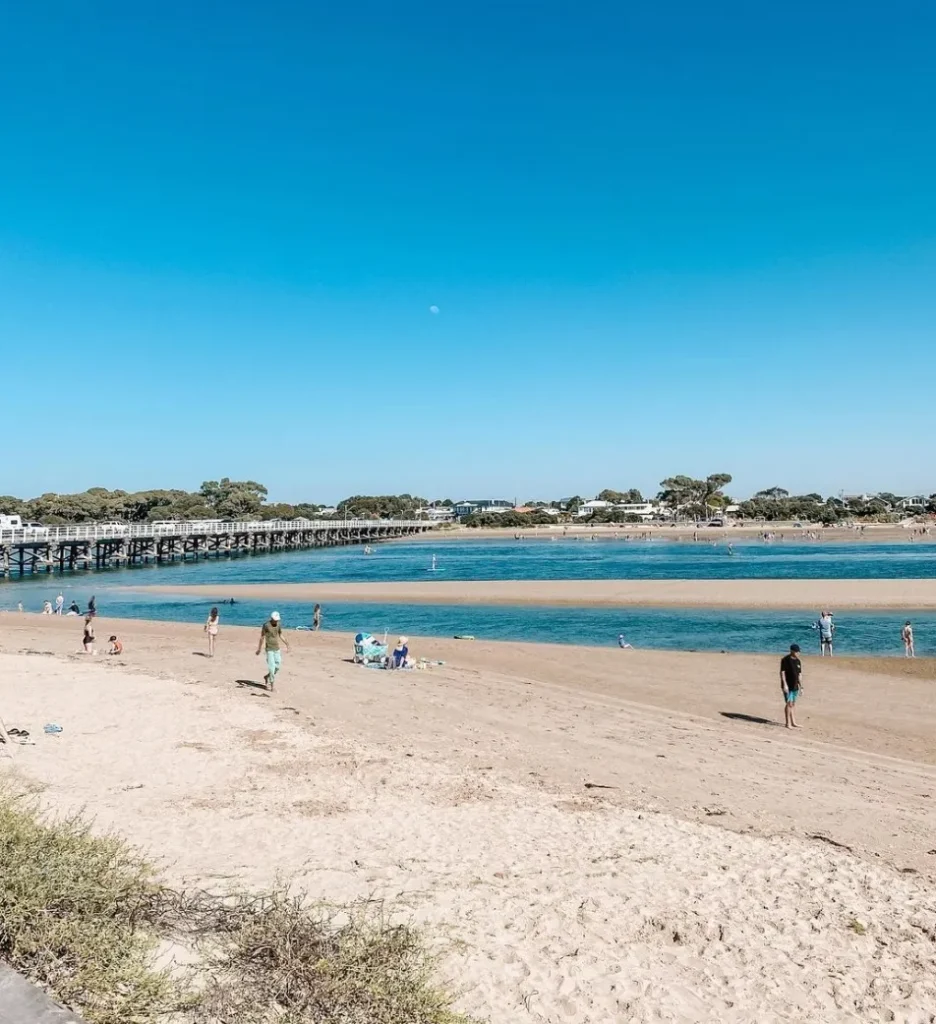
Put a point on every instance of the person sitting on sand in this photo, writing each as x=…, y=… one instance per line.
x=73, y=608
x=791, y=683
x=87, y=641
x=400, y=653
x=47, y=608
x=906, y=634
x=623, y=644
x=116, y=647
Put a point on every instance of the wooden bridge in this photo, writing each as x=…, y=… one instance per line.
x=46, y=549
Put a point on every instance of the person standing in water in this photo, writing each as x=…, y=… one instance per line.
x=906, y=634
x=211, y=628
x=271, y=636
x=791, y=683
x=826, y=628
x=317, y=618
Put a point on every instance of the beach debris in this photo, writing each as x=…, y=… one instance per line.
x=829, y=840
x=51, y=729
x=714, y=812
x=598, y=785
x=135, y=785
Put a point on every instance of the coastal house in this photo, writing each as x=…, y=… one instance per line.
x=643, y=509
x=436, y=513
x=915, y=503
x=476, y=505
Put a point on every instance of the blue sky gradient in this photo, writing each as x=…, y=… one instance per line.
x=662, y=238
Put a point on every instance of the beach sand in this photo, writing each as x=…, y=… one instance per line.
x=692, y=889
x=798, y=594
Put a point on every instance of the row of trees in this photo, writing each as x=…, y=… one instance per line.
x=215, y=499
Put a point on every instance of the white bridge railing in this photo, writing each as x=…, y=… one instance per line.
x=196, y=528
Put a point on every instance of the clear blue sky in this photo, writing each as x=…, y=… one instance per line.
x=675, y=237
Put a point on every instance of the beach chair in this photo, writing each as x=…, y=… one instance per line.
x=367, y=650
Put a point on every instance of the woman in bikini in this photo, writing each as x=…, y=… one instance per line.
x=211, y=628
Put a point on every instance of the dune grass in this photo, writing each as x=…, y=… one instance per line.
x=85, y=916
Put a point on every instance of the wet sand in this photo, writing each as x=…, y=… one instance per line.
x=762, y=594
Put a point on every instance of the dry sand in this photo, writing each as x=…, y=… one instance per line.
x=689, y=891
x=816, y=594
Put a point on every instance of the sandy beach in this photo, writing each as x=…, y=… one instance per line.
x=798, y=594
x=586, y=835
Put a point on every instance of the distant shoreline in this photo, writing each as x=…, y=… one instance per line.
x=783, y=533
x=872, y=595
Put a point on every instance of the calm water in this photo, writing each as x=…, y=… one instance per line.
x=686, y=629
x=545, y=560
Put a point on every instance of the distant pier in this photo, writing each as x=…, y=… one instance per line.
x=49, y=549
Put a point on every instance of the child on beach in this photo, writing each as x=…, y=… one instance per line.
x=116, y=647
x=211, y=628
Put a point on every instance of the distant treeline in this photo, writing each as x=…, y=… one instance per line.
x=684, y=497
x=215, y=499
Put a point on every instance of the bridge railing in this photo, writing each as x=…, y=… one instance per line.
x=196, y=528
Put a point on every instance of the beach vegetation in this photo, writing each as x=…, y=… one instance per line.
x=86, y=917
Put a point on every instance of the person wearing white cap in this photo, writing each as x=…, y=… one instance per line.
x=400, y=653
x=271, y=636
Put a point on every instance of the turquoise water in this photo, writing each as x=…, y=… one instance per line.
x=684, y=629
x=536, y=560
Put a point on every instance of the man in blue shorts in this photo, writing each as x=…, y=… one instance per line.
x=791, y=682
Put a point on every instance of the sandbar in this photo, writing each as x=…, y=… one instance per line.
x=758, y=594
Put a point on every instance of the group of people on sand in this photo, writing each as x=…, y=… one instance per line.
x=59, y=607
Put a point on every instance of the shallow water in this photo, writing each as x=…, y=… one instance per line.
x=683, y=629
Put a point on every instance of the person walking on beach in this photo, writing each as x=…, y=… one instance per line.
x=317, y=618
x=826, y=628
x=59, y=604
x=791, y=683
x=92, y=608
x=906, y=634
x=271, y=636
x=211, y=628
